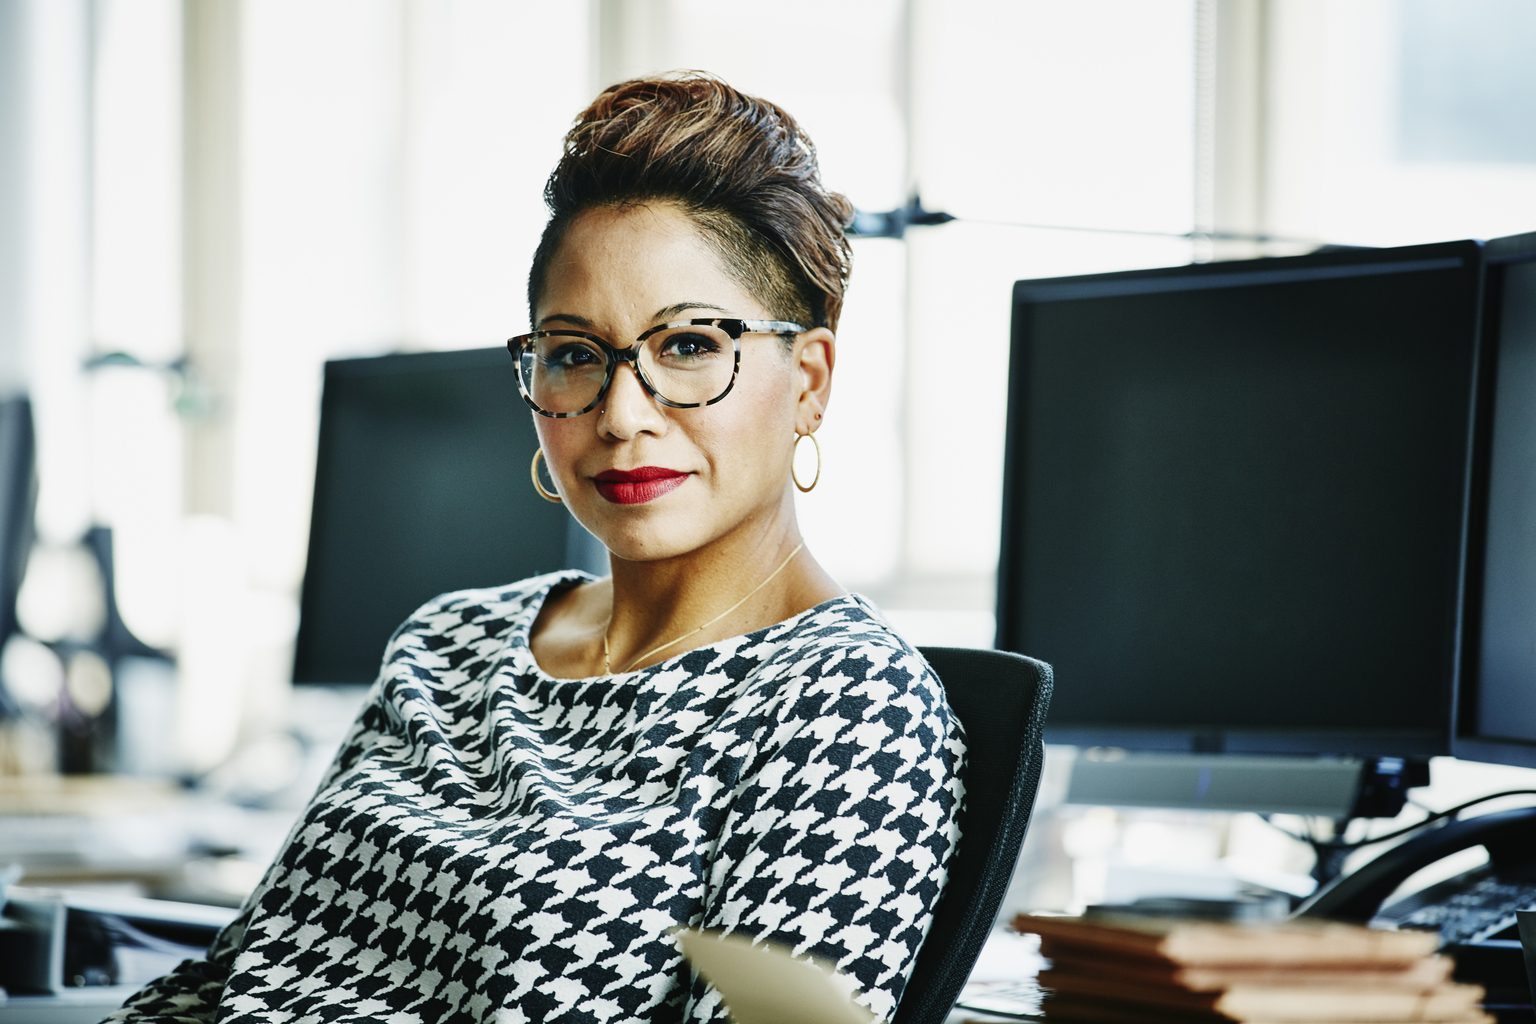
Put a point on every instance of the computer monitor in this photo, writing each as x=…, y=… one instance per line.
x=1496, y=701
x=1235, y=500
x=18, y=502
x=421, y=487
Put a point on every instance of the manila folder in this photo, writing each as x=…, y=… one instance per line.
x=762, y=984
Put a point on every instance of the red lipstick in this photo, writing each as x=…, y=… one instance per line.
x=638, y=486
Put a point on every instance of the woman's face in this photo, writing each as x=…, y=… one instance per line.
x=618, y=272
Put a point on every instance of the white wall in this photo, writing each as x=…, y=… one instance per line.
x=13, y=70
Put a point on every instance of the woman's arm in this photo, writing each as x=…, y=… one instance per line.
x=839, y=838
x=189, y=994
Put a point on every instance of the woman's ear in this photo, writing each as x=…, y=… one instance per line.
x=815, y=353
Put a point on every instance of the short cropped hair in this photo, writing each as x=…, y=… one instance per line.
x=739, y=167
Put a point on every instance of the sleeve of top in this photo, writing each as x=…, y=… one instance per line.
x=190, y=994
x=838, y=839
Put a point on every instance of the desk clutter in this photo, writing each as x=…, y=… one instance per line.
x=1123, y=970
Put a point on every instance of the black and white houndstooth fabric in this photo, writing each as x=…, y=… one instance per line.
x=497, y=845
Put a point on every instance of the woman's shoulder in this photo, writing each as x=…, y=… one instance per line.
x=848, y=622
x=843, y=687
x=848, y=639
x=487, y=606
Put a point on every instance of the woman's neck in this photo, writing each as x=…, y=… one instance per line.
x=740, y=583
x=756, y=577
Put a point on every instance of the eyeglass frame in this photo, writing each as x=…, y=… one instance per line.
x=631, y=355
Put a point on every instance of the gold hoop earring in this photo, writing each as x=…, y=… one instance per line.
x=538, y=485
x=805, y=488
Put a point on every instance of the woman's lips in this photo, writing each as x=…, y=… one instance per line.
x=637, y=486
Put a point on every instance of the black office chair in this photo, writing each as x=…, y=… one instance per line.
x=1001, y=699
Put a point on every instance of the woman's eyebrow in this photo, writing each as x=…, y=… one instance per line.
x=570, y=318
x=677, y=307
x=665, y=313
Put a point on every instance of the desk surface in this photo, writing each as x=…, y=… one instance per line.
x=80, y=1006
x=144, y=837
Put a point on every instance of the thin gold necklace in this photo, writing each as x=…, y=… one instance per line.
x=607, y=671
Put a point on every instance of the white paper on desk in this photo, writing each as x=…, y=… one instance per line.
x=763, y=984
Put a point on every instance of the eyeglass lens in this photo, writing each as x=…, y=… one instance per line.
x=688, y=365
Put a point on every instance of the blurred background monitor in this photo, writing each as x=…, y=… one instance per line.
x=18, y=501
x=421, y=487
x=1496, y=705
x=1234, y=509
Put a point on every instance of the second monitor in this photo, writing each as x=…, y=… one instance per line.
x=1235, y=500
x=421, y=487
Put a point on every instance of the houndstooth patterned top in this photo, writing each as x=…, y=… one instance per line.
x=494, y=844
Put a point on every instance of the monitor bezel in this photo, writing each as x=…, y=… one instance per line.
x=1462, y=255
x=1498, y=254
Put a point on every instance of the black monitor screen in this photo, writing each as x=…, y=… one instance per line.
x=421, y=487
x=1497, y=718
x=1234, y=513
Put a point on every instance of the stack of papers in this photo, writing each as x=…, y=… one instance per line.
x=1151, y=971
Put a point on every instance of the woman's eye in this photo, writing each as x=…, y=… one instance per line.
x=689, y=346
x=570, y=357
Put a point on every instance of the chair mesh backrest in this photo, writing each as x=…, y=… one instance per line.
x=1001, y=700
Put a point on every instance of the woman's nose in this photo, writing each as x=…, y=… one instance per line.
x=628, y=409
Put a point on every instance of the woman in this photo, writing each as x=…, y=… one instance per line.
x=550, y=776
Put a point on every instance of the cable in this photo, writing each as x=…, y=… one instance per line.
x=894, y=224
x=1189, y=236
x=1449, y=812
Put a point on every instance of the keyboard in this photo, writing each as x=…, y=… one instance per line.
x=1013, y=1000
x=1468, y=908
